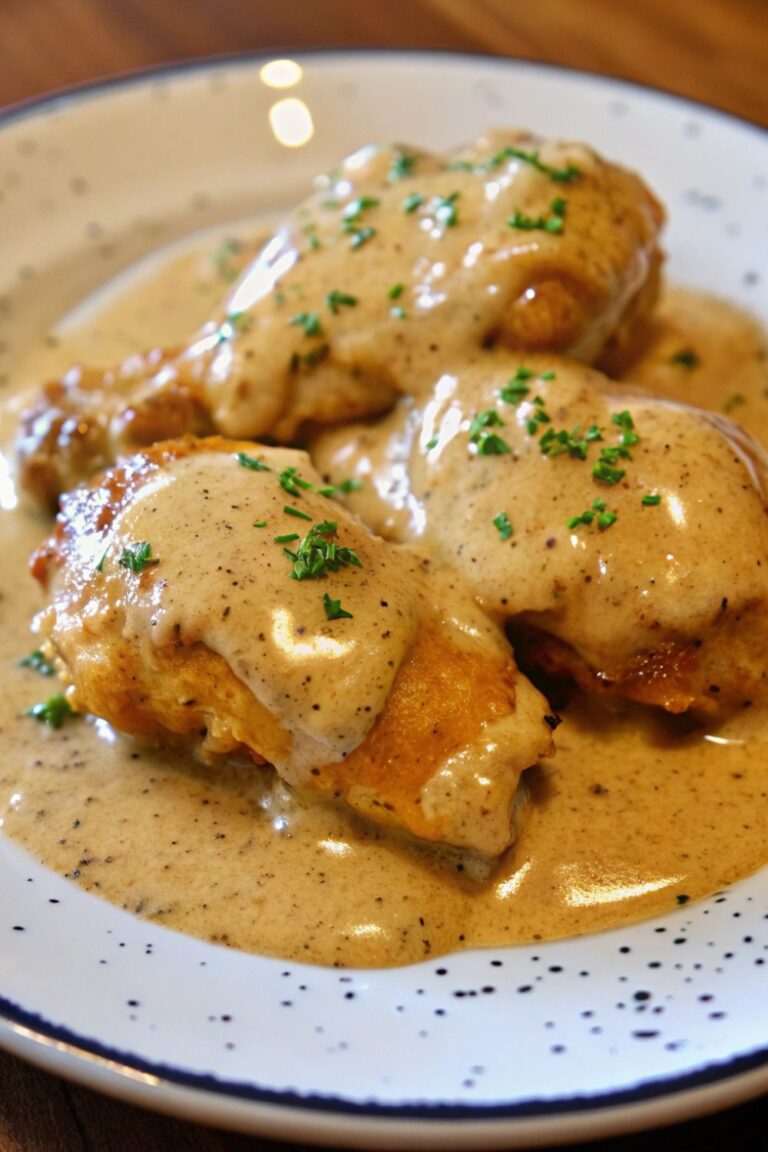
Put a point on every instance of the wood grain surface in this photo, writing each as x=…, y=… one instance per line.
x=714, y=50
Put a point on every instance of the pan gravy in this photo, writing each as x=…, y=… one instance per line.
x=636, y=815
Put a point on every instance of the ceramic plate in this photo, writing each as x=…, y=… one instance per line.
x=491, y=1048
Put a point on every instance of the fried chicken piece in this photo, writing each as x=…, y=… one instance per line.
x=622, y=537
x=212, y=594
x=397, y=259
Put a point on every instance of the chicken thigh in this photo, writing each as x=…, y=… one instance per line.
x=399, y=260
x=212, y=594
x=623, y=537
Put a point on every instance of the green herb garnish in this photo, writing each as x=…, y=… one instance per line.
x=402, y=166
x=558, y=175
x=336, y=300
x=319, y=554
x=334, y=610
x=604, y=470
x=446, y=212
x=290, y=511
x=412, y=202
x=352, y=484
x=604, y=518
x=501, y=522
x=53, y=711
x=292, y=483
x=38, y=663
x=487, y=443
x=553, y=223
x=252, y=462
x=396, y=291
x=309, y=321
x=651, y=499
x=361, y=236
x=136, y=557
x=686, y=358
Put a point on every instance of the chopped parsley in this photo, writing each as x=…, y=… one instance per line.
x=292, y=483
x=574, y=443
x=361, y=236
x=334, y=610
x=260, y=523
x=446, y=212
x=102, y=558
x=432, y=443
x=604, y=518
x=352, y=484
x=337, y=300
x=402, y=166
x=318, y=553
x=516, y=388
x=686, y=358
x=136, y=557
x=396, y=291
x=501, y=522
x=38, y=662
x=351, y=220
x=604, y=470
x=558, y=175
x=412, y=202
x=487, y=443
x=553, y=223
x=628, y=435
x=651, y=499
x=538, y=416
x=309, y=359
x=252, y=462
x=309, y=321
x=54, y=711
x=354, y=210
x=291, y=511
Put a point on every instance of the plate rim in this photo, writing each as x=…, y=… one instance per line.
x=69, y=94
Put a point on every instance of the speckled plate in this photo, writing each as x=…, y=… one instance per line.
x=525, y=1045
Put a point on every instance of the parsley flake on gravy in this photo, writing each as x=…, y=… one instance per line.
x=136, y=557
x=334, y=610
x=53, y=711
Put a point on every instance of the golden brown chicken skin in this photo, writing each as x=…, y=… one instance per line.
x=399, y=260
x=623, y=537
x=212, y=594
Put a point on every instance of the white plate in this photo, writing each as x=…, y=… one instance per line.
x=592, y=1036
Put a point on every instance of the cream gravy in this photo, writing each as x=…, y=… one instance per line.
x=634, y=816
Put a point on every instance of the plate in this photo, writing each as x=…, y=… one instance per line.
x=591, y=1036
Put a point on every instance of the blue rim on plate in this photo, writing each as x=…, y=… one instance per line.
x=528, y=1116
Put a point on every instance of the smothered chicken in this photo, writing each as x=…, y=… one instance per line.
x=399, y=261
x=213, y=592
x=624, y=537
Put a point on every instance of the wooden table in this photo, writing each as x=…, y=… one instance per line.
x=715, y=51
